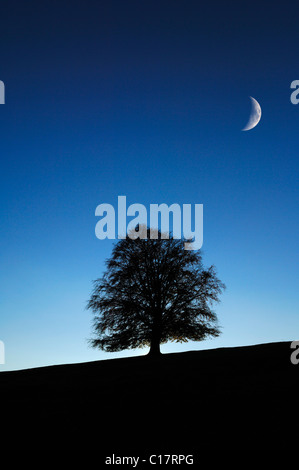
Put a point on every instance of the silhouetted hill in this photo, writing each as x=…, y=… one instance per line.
x=243, y=397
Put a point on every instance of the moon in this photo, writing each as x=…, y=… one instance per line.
x=255, y=115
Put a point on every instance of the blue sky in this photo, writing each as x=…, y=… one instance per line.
x=145, y=100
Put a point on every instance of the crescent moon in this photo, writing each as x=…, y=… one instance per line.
x=255, y=115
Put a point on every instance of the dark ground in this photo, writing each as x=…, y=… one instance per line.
x=228, y=398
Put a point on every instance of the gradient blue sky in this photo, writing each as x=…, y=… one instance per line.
x=147, y=100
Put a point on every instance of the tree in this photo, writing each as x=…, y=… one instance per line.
x=153, y=291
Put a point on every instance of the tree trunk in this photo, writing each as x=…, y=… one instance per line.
x=155, y=348
x=156, y=338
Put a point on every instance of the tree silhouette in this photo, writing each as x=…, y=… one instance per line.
x=153, y=291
